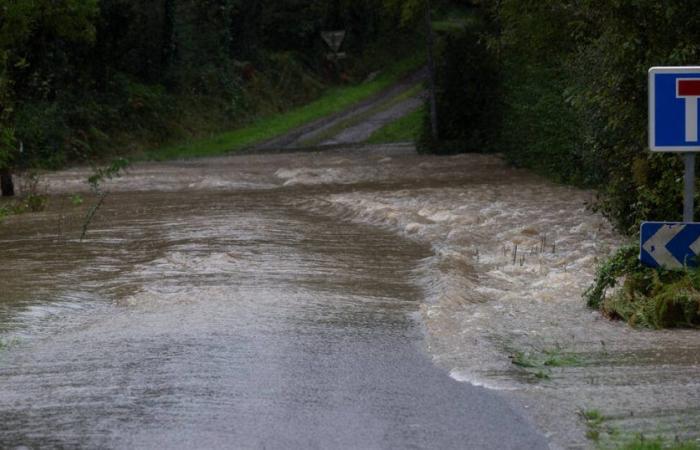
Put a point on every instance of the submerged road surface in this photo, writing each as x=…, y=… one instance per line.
x=226, y=316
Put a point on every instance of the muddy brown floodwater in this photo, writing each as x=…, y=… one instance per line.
x=286, y=270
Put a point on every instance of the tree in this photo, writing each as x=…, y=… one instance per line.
x=35, y=39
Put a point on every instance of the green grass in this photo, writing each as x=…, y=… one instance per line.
x=333, y=101
x=607, y=436
x=404, y=129
x=539, y=363
x=659, y=444
x=596, y=424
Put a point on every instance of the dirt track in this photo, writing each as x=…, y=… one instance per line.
x=357, y=132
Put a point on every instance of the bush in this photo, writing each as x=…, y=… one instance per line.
x=641, y=296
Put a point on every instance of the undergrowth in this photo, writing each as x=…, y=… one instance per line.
x=31, y=199
x=653, y=298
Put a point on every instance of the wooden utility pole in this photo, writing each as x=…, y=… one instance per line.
x=431, y=70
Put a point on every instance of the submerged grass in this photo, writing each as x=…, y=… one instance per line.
x=606, y=436
x=333, y=101
x=594, y=422
x=640, y=443
x=539, y=363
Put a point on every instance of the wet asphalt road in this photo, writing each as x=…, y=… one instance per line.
x=230, y=320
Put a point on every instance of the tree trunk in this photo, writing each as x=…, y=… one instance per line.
x=431, y=70
x=6, y=185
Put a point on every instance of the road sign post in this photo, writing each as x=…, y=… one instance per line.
x=689, y=189
x=674, y=100
x=334, y=40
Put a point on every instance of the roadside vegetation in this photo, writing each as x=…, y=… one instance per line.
x=405, y=129
x=641, y=443
x=83, y=81
x=331, y=101
x=626, y=290
x=559, y=87
x=602, y=431
x=89, y=82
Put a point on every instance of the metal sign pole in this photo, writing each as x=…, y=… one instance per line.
x=689, y=191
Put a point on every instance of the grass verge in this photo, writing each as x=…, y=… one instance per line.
x=407, y=128
x=659, y=444
x=333, y=101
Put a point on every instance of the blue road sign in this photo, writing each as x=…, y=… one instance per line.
x=674, y=93
x=670, y=245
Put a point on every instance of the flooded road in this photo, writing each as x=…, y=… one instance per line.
x=354, y=298
x=225, y=318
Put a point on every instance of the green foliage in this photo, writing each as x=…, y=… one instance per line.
x=625, y=260
x=77, y=200
x=641, y=443
x=595, y=422
x=99, y=176
x=653, y=298
x=84, y=79
x=102, y=174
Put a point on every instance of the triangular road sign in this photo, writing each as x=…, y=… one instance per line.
x=334, y=39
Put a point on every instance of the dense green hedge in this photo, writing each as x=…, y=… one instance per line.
x=81, y=78
x=572, y=78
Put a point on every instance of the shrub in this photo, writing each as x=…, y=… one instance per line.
x=655, y=298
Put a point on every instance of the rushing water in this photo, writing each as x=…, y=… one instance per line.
x=228, y=301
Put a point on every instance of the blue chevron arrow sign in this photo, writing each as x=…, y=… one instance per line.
x=670, y=245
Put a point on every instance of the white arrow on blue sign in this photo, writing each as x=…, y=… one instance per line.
x=670, y=245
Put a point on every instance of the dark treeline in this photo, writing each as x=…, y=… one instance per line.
x=79, y=78
x=563, y=84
